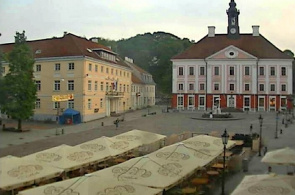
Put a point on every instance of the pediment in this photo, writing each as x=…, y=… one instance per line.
x=231, y=52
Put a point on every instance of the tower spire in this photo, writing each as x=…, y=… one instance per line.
x=233, y=29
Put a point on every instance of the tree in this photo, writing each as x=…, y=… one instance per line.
x=19, y=87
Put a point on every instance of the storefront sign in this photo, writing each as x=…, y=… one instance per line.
x=60, y=98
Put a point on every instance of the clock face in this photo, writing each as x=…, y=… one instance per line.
x=232, y=30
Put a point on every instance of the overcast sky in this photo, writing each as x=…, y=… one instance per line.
x=117, y=19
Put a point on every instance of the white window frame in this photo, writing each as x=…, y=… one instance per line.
x=245, y=86
x=272, y=71
x=56, y=85
x=180, y=106
x=38, y=68
x=57, y=67
x=180, y=73
x=38, y=103
x=89, y=67
x=71, y=104
x=38, y=85
x=56, y=105
x=201, y=107
x=231, y=69
x=202, y=71
x=89, y=104
x=189, y=86
x=216, y=71
x=232, y=84
x=270, y=87
x=283, y=107
x=261, y=108
x=89, y=85
x=71, y=85
x=214, y=86
x=191, y=107
x=261, y=84
x=273, y=107
x=180, y=86
x=71, y=66
x=247, y=67
x=228, y=100
x=193, y=70
x=283, y=73
x=245, y=108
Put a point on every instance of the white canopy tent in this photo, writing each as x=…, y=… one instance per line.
x=285, y=156
x=18, y=172
x=146, y=172
x=64, y=157
x=266, y=185
x=91, y=185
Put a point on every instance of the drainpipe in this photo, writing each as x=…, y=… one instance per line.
x=256, y=108
x=206, y=83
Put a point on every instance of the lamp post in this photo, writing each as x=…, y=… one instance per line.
x=260, y=135
x=277, y=121
x=224, y=137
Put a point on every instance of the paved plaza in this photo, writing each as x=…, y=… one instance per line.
x=44, y=136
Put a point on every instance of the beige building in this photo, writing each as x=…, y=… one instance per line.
x=143, y=87
x=90, y=77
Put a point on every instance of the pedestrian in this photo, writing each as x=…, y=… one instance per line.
x=269, y=169
x=265, y=150
x=251, y=127
x=117, y=123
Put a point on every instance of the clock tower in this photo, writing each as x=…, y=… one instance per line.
x=233, y=29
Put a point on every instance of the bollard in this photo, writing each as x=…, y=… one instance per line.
x=102, y=124
x=56, y=132
x=281, y=131
x=62, y=131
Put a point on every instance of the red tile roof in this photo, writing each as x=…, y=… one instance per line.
x=136, y=80
x=257, y=46
x=66, y=46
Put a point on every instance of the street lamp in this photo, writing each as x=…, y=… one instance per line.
x=224, y=137
x=277, y=120
x=260, y=135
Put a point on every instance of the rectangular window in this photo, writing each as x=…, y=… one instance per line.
x=101, y=86
x=117, y=72
x=71, y=66
x=272, y=71
x=124, y=88
x=247, y=87
x=283, y=70
x=96, y=68
x=89, y=67
x=71, y=104
x=57, y=67
x=38, y=85
x=180, y=71
x=89, y=85
x=180, y=100
x=247, y=70
x=38, y=67
x=101, y=69
x=107, y=86
x=231, y=87
x=101, y=103
x=56, y=85
x=283, y=87
x=272, y=87
x=112, y=71
x=231, y=70
x=191, y=71
x=261, y=87
x=56, y=105
x=124, y=73
x=127, y=88
x=202, y=70
x=38, y=104
x=261, y=71
x=95, y=85
x=216, y=70
x=71, y=85
x=120, y=73
x=202, y=86
x=107, y=70
x=180, y=86
x=202, y=101
x=89, y=104
x=191, y=86
x=216, y=86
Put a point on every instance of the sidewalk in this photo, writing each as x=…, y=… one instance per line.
x=256, y=167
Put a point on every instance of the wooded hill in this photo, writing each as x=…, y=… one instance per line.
x=152, y=52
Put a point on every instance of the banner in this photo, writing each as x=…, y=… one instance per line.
x=60, y=98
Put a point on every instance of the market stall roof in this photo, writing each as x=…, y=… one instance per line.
x=266, y=184
x=212, y=145
x=91, y=185
x=285, y=156
x=143, y=137
x=70, y=112
x=18, y=172
x=188, y=158
x=146, y=172
x=64, y=157
x=108, y=146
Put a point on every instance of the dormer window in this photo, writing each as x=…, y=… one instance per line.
x=38, y=51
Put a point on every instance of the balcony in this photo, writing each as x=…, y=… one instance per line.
x=113, y=94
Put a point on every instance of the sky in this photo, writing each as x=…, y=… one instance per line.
x=117, y=19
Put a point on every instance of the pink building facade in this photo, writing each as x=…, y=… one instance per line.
x=243, y=71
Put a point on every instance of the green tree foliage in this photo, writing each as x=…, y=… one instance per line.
x=19, y=87
x=290, y=53
x=152, y=52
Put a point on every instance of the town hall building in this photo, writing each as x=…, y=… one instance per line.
x=237, y=70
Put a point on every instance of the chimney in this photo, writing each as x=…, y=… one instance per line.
x=65, y=33
x=211, y=31
x=255, y=30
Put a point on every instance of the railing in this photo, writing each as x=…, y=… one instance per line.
x=114, y=94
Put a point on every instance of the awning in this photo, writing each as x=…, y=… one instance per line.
x=285, y=156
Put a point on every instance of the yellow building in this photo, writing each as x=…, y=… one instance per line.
x=90, y=77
